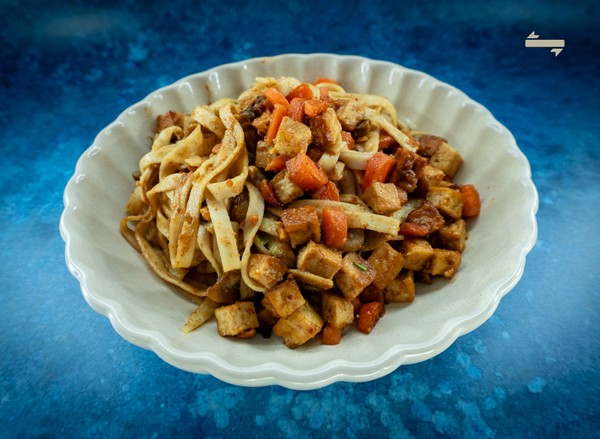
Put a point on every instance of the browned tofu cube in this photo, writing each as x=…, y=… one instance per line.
x=371, y=294
x=432, y=177
x=454, y=236
x=284, y=298
x=319, y=259
x=354, y=276
x=417, y=253
x=383, y=198
x=349, y=112
x=446, y=200
x=302, y=224
x=236, y=318
x=266, y=270
x=285, y=189
x=325, y=128
x=299, y=327
x=443, y=263
x=387, y=263
x=402, y=288
x=263, y=154
x=292, y=137
x=447, y=159
x=337, y=310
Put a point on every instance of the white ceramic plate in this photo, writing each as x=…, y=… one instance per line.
x=116, y=282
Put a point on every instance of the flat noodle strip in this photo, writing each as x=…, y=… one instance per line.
x=226, y=239
x=204, y=241
x=252, y=222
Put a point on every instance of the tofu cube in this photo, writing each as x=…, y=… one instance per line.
x=266, y=270
x=284, y=298
x=285, y=189
x=319, y=259
x=383, y=198
x=387, y=263
x=443, y=263
x=454, y=236
x=263, y=155
x=432, y=177
x=350, y=113
x=299, y=327
x=325, y=128
x=236, y=318
x=447, y=201
x=354, y=276
x=337, y=310
x=301, y=224
x=417, y=253
x=402, y=288
x=447, y=159
x=292, y=137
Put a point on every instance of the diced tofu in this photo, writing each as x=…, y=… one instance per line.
x=266, y=270
x=446, y=200
x=454, y=235
x=236, y=318
x=443, y=263
x=402, y=288
x=387, y=263
x=349, y=112
x=299, y=327
x=337, y=310
x=337, y=172
x=417, y=253
x=284, y=298
x=447, y=159
x=383, y=198
x=292, y=137
x=325, y=128
x=354, y=276
x=285, y=189
x=310, y=280
x=319, y=259
x=263, y=154
x=432, y=177
x=301, y=224
x=371, y=294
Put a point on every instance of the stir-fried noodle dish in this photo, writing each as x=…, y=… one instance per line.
x=298, y=209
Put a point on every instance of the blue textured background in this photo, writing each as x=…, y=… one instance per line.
x=68, y=71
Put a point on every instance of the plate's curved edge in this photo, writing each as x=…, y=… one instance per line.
x=311, y=380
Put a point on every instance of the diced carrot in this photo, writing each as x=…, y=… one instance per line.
x=276, y=117
x=413, y=230
x=321, y=80
x=305, y=173
x=296, y=109
x=331, y=335
x=378, y=168
x=385, y=140
x=328, y=191
x=269, y=194
x=314, y=107
x=302, y=91
x=275, y=97
x=324, y=94
x=335, y=227
x=277, y=164
x=347, y=137
x=471, y=201
x=368, y=316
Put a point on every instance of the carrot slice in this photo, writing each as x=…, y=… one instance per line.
x=335, y=227
x=302, y=91
x=305, y=173
x=347, y=137
x=275, y=97
x=385, y=140
x=329, y=191
x=324, y=92
x=323, y=80
x=269, y=194
x=276, y=117
x=378, y=168
x=471, y=201
x=296, y=109
x=413, y=230
x=314, y=107
x=368, y=316
x=277, y=164
x=331, y=335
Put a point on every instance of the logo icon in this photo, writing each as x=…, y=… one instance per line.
x=534, y=41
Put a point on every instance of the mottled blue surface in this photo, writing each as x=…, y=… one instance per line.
x=69, y=70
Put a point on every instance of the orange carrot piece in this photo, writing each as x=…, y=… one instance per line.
x=347, y=137
x=331, y=335
x=275, y=97
x=368, y=316
x=296, y=109
x=378, y=168
x=277, y=164
x=276, y=117
x=305, y=173
x=413, y=230
x=314, y=107
x=328, y=191
x=324, y=92
x=335, y=227
x=322, y=80
x=471, y=201
x=269, y=194
x=385, y=140
x=302, y=91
